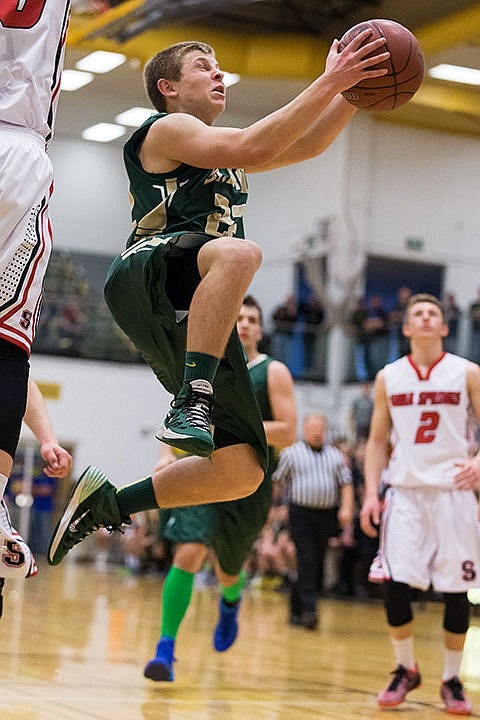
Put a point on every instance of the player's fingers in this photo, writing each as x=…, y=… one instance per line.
x=366, y=525
x=52, y=472
x=51, y=458
x=376, y=60
x=370, y=531
x=360, y=38
x=372, y=46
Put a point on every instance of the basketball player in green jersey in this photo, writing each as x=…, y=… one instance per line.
x=230, y=528
x=177, y=289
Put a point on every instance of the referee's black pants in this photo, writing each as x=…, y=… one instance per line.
x=310, y=529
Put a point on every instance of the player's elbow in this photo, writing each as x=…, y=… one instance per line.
x=290, y=436
x=256, y=153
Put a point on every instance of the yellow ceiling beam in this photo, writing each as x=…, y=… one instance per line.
x=440, y=108
x=456, y=29
x=81, y=26
x=447, y=98
x=284, y=56
x=433, y=119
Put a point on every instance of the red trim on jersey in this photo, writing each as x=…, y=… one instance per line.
x=57, y=73
x=31, y=274
x=14, y=335
x=429, y=370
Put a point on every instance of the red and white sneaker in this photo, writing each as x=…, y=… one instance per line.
x=16, y=558
x=403, y=681
x=453, y=695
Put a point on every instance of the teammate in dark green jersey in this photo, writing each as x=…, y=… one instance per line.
x=178, y=287
x=229, y=528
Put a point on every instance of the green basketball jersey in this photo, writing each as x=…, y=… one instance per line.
x=187, y=199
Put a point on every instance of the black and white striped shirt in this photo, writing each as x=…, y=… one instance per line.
x=312, y=478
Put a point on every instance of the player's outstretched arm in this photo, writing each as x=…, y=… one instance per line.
x=375, y=458
x=467, y=476
x=181, y=137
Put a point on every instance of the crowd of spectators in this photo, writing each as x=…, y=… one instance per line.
x=76, y=322
x=299, y=333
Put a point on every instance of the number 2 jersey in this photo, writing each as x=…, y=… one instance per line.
x=32, y=45
x=429, y=415
x=187, y=199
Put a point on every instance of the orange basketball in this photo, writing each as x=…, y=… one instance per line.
x=405, y=67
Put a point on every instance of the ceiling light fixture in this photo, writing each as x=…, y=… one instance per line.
x=100, y=61
x=103, y=132
x=134, y=116
x=455, y=73
x=231, y=79
x=74, y=79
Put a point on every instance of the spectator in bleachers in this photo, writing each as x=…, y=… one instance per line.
x=273, y=563
x=312, y=313
x=71, y=323
x=358, y=549
x=361, y=413
x=375, y=330
x=357, y=320
x=284, y=318
x=452, y=317
x=398, y=342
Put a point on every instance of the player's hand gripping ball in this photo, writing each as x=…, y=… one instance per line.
x=405, y=66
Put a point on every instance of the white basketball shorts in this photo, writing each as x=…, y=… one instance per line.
x=26, y=184
x=431, y=536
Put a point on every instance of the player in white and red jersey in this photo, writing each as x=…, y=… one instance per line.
x=32, y=43
x=430, y=532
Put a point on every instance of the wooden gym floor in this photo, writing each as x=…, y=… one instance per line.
x=74, y=641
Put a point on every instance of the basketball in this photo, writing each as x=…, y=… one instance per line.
x=405, y=67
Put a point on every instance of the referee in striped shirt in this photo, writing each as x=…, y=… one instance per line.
x=316, y=481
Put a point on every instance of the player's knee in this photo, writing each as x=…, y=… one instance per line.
x=14, y=369
x=190, y=557
x=250, y=485
x=457, y=613
x=397, y=598
x=249, y=480
x=253, y=253
x=243, y=255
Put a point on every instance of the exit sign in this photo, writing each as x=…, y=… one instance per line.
x=414, y=243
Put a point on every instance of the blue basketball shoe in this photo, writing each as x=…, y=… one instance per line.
x=161, y=666
x=226, y=630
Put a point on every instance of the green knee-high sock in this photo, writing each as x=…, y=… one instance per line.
x=177, y=591
x=200, y=366
x=232, y=594
x=137, y=497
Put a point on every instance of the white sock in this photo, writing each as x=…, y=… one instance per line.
x=3, y=484
x=403, y=651
x=452, y=662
